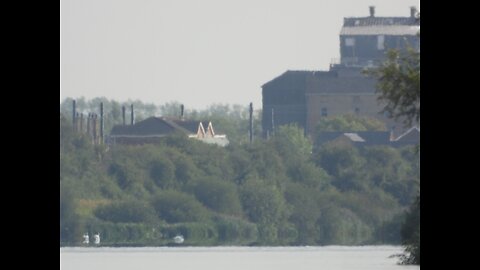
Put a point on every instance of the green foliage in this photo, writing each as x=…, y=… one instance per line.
x=399, y=85
x=292, y=144
x=235, y=231
x=349, y=122
x=112, y=109
x=162, y=172
x=185, y=170
x=389, y=171
x=264, y=205
x=411, y=234
x=126, y=212
x=127, y=234
x=195, y=233
x=271, y=192
x=305, y=212
x=71, y=225
x=174, y=206
x=309, y=175
x=389, y=231
x=241, y=163
x=261, y=202
x=220, y=196
x=266, y=164
x=341, y=226
x=345, y=164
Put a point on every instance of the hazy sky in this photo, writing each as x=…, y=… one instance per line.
x=199, y=52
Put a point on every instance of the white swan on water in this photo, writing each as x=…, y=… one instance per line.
x=97, y=238
x=178, y=239
x=85, y=238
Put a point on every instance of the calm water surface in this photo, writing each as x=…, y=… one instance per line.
x=232, y=258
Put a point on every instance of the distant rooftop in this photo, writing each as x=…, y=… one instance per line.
x=394, y=30
x=156, y=127
x=345, y=80
x=372, y=25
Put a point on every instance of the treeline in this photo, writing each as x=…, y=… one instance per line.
x=280, y=191
x=228, y=119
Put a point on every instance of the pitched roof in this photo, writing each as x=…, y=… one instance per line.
x=411, y=135
x=375, y=137
x=354, y=137
x=361, y=137
x=149, y=126
x=190, y=125
x=291, y=76
x=156, y=126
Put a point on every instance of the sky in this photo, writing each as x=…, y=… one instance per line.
x=199, y=52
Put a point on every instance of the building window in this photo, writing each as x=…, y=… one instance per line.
x=350, y=42
x=324, y=112
x=381, y=42
x=357, y=110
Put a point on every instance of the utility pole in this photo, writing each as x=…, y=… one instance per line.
x=250, y=129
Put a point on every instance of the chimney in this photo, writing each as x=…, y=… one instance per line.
x=182, y=108
x=76, y=121
x=413, y=12
x=94, y=128
x=250, y=129
x=88, y=123
x=132, y=122
x=101, y=122
x=372, y=11
x=123, y=114
x=81, y=122
x=74, y=114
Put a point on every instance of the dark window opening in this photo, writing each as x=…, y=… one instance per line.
x=324, y=112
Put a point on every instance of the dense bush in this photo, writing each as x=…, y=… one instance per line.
x=235, y=231
x=220, y=196
x=174, y=206
x=271, y=192
x=126, y=211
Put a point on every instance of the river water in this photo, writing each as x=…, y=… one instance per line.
x=233, y=258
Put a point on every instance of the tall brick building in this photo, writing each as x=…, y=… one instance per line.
x=304, y=97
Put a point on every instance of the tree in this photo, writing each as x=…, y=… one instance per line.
x=163, y=172
x=220, y=196
x=174, y=206
x=126, y=211
x=264, y=205
x=387, y=169
x=399, y=86
x=411, y=234
x=345, y=164
x=290, y=141
x=349, y=122
x=305, y=212
x=71, y=225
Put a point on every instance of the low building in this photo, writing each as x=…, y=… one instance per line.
x=370, y=138
x=152, y=129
